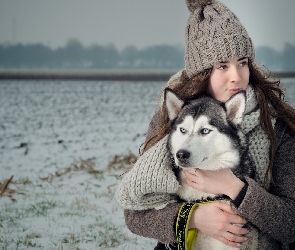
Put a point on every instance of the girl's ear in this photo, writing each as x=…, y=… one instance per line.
x=235, y=107
x=173, y=103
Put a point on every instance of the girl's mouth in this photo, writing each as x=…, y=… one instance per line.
x=234, y=90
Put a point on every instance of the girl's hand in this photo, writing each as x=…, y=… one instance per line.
x=221, y=181
x=218, y=220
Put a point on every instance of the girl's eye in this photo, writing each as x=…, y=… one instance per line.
x=244, y=63
x=205, y=131
x=221, y=67
x=182, y=130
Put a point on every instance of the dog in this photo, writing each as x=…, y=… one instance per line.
x=204, y=134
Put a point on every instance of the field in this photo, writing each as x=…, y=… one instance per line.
x=72, y=209
x=66, y=143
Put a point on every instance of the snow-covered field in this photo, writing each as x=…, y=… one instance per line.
x=46, y=130
x=56, y=140
x=49, y=124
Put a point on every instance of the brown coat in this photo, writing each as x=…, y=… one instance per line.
x=273, y=212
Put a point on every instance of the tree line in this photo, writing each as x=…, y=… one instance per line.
x=75, y=56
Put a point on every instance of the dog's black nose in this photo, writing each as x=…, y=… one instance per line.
x=182, y=155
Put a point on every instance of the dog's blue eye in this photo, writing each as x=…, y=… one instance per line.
x=182, y=130
x=205, y=131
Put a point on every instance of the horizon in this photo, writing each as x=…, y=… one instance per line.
x=158, y=57
x=120, y=49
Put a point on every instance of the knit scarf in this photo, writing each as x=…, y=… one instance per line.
x=151, y=183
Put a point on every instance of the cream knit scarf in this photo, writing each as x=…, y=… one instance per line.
x=151, y=183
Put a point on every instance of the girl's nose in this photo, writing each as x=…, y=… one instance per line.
x=235, y=74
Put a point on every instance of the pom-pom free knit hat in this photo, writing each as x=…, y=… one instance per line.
x=213, y=34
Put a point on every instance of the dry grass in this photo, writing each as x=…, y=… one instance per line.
x=119, y=162
x=10, y=187
x=6, y=188
x=74, y=167
x=122, y=162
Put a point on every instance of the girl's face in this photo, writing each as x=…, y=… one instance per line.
x=229, y=77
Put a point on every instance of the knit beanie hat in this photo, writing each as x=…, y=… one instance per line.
x=213, y=34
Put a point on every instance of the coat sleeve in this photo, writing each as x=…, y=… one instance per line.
x=273, y=211
x=152, y=223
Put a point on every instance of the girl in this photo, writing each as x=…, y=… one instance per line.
x=219, y=62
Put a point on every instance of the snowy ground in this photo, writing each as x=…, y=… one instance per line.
x=75, y=210
x=56, y=140
x=48, y=128
x=47, y=125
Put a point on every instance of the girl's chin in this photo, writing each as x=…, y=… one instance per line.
x=224, y=98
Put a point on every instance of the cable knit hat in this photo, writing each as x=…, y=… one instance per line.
x=213, y=34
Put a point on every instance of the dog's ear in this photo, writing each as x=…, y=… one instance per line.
x=173, y=103
x=235, y=107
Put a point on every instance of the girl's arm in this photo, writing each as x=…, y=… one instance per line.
x=216, y=219
x=274, y=212
x=152, y=223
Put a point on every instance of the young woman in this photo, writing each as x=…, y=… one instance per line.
x=220, y=62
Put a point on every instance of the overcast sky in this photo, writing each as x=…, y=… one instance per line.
x=133, y=22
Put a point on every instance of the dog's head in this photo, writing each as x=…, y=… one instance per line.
x=204, y=132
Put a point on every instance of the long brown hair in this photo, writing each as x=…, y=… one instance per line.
x=267, y=89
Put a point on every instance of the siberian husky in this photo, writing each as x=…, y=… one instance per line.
x=204, y=134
